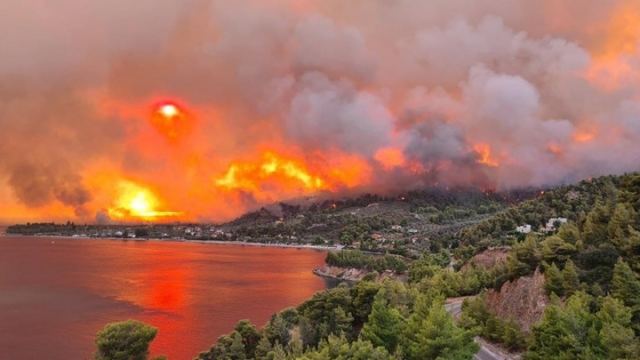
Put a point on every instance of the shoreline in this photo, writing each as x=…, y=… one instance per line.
x=212, y=242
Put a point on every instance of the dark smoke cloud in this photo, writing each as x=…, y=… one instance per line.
x=432, y=78
x=49, y=134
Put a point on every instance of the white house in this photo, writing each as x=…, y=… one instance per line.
x=551, y=224
x=524, y=229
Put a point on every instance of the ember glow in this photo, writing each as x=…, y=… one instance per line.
x=251, y=176
x=484, y=155
x=213, y=108
x=135, y=202
x=583, y=136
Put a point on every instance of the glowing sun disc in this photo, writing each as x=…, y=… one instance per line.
x=168, y=110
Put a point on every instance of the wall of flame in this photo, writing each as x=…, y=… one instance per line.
x=201, y=110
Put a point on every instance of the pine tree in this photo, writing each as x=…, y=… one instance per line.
x=295, y=347
x=277, y=353
x=435, y=336
x=569, y=232
x=566, y=332
x=555, y=249
x=528, y=251
x=277, y=330
x=340, y=322
x=124, y=340
x=335, y=347
x=617, y=337
x=554, y=283
x=236, y=350
x=385, y=323
x=570, y=281
x=625, y=285
x=629, y=244
x=263, y=349
x=250, y=336
x=595, y=228
x=623, y=216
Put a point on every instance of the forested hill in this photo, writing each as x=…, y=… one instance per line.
x=573, y=202
x=577, y=284
x=403, y=224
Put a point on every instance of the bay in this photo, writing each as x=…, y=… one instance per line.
x=56, y=293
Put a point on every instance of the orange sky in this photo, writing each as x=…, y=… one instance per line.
x=215, y=108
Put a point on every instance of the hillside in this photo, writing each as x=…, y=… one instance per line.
x=565, y=290
x=405, y=224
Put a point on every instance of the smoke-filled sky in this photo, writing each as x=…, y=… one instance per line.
x=201, y=109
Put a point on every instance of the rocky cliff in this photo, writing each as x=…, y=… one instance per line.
x=522, y=300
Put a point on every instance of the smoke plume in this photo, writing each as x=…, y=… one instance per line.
x=280, y=99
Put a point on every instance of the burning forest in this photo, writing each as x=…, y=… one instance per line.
x=201, y=110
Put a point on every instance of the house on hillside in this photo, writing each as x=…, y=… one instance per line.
x=554, y=223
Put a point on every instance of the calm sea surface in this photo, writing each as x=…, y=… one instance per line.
x=55, y=294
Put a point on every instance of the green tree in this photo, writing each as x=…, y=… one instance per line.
x=338, y=348
x=528, y=252
x=570, y=280
x=263, y=348
x=385, y=324
x=625, y=286
x=629, y=244
x=569, y=232
x=618, y=339
x=250, y=336
x=553, y=280
x=326, y=313
x=296, y=348
x=512, y=337
x=566, y=333
x=237, y=350
x=126, y=340
x=622, y=218
x=555, y=249
x=277, y=330
x=278, y=353
x=363, y=294
x=595, y=228
x=340, y=322
x=432, y=334
x=524, y=257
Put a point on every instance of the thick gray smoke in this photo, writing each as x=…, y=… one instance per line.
x=550, y=88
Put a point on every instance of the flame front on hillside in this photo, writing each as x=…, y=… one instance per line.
x=225, y=106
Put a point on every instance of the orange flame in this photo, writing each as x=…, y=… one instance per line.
x=249, y=176
x=555, y=149
x=390, y=157
x=611, y=66
x=137, y=202
x=484, y=155
x=275, y=175
x=583, y=136
x=623, y=32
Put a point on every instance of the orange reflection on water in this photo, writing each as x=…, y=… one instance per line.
x=193, y=293
x=167, y=290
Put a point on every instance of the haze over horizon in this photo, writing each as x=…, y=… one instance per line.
x=199, y=110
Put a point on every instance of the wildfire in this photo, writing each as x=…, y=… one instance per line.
x=623, y=32
x=484, y=155
x=583, y=136
x=613, y=62
x=250, y=176
x=135, y=201
x=555, y=149
x=390, y=157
